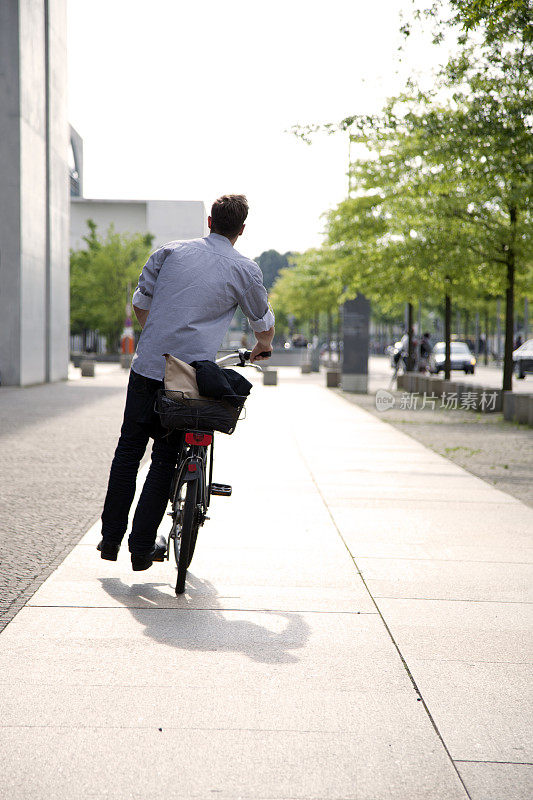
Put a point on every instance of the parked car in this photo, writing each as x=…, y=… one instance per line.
x=299, y=340
x=461, y=357
x=523, y=359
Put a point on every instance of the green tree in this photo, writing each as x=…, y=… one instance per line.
x=445, y=196
x=308, y=288
x=499, y=19
x=271, y=262
x=100, y=275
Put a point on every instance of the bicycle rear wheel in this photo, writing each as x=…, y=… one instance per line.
x=185, y=538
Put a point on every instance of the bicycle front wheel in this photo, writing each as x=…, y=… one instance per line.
x=185, y=539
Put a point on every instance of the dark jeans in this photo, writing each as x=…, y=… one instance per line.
x=140, y=423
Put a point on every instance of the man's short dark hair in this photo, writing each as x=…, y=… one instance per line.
x=228, y=214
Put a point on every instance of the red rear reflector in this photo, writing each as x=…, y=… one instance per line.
x=191, y=467
x=198, y=438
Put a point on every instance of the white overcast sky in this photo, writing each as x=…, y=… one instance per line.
x=190, y=99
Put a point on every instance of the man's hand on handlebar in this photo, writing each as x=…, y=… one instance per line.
x=260, y=353
x=263, y=348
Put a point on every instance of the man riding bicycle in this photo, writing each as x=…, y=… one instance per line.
x=185, y=300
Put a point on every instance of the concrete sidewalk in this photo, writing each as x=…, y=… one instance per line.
x=354, y=628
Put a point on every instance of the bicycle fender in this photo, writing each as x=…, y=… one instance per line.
x=193, y=474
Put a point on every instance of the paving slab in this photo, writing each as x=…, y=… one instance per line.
x=445, y=531
x=121, y=590
x=497, y=781
x=482, y=710
x=459, y=580
x=473, y=668
x=130, y=646
x=264, y=765
x=275, y=676
x=461, y=631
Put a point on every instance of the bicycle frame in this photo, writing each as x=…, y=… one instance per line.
x=192, y=467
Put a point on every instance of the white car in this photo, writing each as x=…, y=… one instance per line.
x=461, y=357
x=523, y=359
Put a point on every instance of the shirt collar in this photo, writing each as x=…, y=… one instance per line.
x=220, y=241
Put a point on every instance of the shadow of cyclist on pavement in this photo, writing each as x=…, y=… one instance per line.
x=215, y=625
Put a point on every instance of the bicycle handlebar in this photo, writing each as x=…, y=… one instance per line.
x=244, y=356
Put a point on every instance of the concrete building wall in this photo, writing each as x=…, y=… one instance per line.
x=126, y=216
x=10, y=221
x=58, y=197
x=181, y=219
x=33, y=202
x=32, y=121
x=167, y=220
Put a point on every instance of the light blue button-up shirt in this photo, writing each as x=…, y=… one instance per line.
x=192, y=289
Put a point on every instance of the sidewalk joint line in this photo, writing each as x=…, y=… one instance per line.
x=474, y=661
x=403, y=498
x=453, y=599
x=406, y=667
x=452, y=560
x=211, y=608
x=478, y=761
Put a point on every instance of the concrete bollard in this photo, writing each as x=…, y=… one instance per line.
x=87, y=368
x=270, y=377
x=125, y=360
x=521, y=408
x=409, y=382
x=333, y=378
x=508, y=405
x=492, y=400
x=434, y=386
x=306, y=368
x=498, y=405
x=401, y=383
x=315, y=360
x=447, y=387
x=418, y=383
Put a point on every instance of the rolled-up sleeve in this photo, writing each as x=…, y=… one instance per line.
x=144, y=291
x=254, y=304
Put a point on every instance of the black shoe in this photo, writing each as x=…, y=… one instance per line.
x=108, y=550
x=157, y=553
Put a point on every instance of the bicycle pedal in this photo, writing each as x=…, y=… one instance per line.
x=221, y=489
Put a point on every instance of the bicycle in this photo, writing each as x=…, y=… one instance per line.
x=400, y=367
x=192, y=485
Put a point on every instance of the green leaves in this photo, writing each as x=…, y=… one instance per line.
x=99, y=279
x=312, y=285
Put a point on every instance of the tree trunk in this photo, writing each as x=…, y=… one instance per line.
x=411, y=351
x=487, y=334
x=498, y=330
x=509, y=306
x=447, y=336
x=509, y=324
x=329, y=336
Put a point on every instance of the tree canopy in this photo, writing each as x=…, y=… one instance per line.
x=271, y=262
x=100, y=276
x=441, y=201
